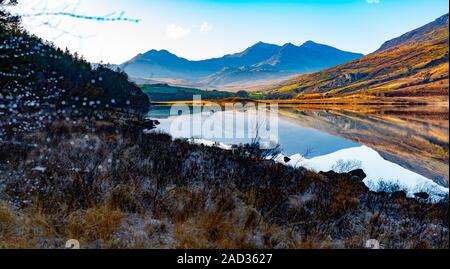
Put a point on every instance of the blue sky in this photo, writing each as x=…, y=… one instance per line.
x=199, y=29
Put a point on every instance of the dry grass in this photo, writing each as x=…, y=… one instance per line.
x=115, y=187
x=98, y=223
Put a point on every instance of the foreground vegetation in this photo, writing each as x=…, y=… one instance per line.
x=105, y=181
x=77, y=160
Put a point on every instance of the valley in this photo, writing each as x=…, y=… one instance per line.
x=346, y=149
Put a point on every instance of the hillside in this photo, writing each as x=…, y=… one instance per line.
x=40, y=74
x=165, y=93
x=257, y=63
x=40, y=84
x=413, y=67
x=234, y=78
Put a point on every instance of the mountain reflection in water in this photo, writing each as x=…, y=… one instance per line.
x=415, y=138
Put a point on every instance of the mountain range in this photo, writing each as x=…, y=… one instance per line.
x=257, y=63
x=412, y=68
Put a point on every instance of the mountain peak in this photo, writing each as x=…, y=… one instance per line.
x=309, y=43
x=275, y=60
x=289, y=45
x=263, y=45
x=157, y=52
x=258, y=52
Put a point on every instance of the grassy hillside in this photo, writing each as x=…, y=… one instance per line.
x=414, y=65
x=166, y=93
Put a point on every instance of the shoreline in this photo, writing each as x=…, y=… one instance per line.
x=422, y=184
x=338, y=102
x=131, y=188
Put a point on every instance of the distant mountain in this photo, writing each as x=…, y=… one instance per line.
x=412, y=67
x=261, y=61
x=253, y=55
x=235, y=77
x=309, y=57
x=159, y=64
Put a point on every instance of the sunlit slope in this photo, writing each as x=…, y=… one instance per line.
x=413, y=66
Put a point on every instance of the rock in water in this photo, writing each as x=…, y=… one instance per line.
x=357, y=174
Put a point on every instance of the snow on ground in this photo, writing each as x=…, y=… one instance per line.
x=374, y=165
x=210, y=143
x=376, y=168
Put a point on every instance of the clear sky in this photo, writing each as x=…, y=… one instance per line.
x=200, y=29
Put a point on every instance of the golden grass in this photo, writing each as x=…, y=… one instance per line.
x=157, y=197
x=94, y=224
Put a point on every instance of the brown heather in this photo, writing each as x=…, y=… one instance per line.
x=109, y=185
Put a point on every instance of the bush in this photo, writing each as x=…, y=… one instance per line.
x=342, y=166
x=390, y=187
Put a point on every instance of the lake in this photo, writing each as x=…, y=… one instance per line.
x=404, y=145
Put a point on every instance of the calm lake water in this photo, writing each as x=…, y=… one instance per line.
x=405, y=145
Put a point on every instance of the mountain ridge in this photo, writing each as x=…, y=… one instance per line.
x=274, y=59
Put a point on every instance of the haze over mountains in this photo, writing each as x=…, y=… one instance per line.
x=258, y=63
x=412, y=67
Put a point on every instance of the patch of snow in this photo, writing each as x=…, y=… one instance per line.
x=376, y=168
x=39, y=169
x=210, y=143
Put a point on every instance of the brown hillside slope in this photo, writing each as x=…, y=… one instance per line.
x=412, y=68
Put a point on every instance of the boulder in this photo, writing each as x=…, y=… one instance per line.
x=399, y=195
x=422, y=195
x=357, y=174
